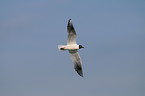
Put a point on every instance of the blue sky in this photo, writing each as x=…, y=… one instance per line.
x=112, y=32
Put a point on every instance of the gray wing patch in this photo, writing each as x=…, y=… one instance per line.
x=71, y=33
x=76, y=61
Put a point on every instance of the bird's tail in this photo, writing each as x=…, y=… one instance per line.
x=61, y=47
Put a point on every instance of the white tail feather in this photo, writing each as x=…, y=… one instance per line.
x=61, y=46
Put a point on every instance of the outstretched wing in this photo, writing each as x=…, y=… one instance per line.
x=76, y=61
x=71, y=33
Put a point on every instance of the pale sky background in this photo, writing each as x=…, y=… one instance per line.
x=112, y=32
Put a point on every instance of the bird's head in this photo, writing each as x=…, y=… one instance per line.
x=80, y=46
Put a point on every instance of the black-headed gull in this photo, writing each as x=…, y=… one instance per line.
x=73, y=47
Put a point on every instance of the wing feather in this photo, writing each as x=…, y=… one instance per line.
x=71, y=33
x=76, y=61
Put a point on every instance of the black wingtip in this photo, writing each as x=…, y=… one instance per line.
x=79, y=70
x=69, y=21
x=80, y=73
x=69, y=25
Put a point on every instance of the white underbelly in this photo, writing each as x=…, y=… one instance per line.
x=71, y=47
x=68, y=47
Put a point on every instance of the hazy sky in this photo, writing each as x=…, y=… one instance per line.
x=112, y=32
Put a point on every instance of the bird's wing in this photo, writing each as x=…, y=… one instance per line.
x=77, y=61
x=71, y=33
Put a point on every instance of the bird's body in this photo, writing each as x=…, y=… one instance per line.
x=68, y=47
x=73, y=47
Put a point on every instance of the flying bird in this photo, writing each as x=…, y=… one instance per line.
x=73, y=47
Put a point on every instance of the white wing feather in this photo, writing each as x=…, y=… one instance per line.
x=71, y=33
x=76, y=61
